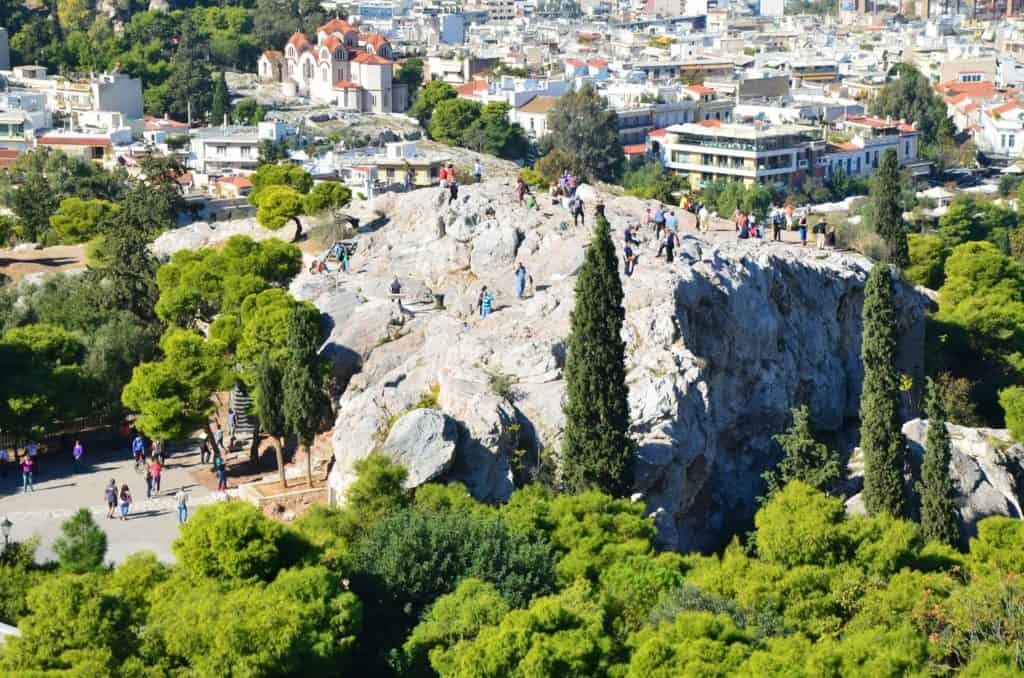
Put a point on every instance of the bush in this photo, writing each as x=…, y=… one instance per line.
x=81, y=545
x=955, y=394
x=533, y=178
x=231, y=542
x=927, y=258
x=1012, y=401
x=800, y=526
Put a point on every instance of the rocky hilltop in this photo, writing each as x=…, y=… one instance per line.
x=720, y=345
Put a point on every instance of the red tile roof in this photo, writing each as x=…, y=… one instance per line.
x=68, y=140
x=956, y=99
x=1005, y=108
x=333, y=42
x=635, y=149
x=371, y=59
x=710, y=123
x=846, y=146
x=347, y=84
x=336, y=26
x=236, y=181
x=162, y=123
x=657, y=132
x=700, y=89
x=870, y=121
x=299, y=41
x=472, y=87
x=575, y=63
x=598, y=63
x=969, y=108
x=984, y=88
x=375, y=39
x=273, y=54
x=8, y=156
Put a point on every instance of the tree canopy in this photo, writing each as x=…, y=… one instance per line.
x=581, y=124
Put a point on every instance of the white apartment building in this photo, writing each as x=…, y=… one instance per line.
x=114, y=92
x=232, y=149
x=1000, y=132
x=22, y=114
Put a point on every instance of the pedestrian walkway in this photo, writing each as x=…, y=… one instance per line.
x=60, y=492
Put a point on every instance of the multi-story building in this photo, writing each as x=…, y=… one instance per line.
x=870, y=137
x=22, y=114
x=231, y=149
x=111, y=92
x=349, y=69
x=754, y=154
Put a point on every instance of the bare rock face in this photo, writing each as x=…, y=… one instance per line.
x=423, y=441
x=721, y=343
x=987, y=469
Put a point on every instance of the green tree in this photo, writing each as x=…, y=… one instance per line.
x=279, y=174
x=597, y=451
x=220, y=100
x=557, y=161
x=432, y=94
x=801, y=526
x=326, y=195
x=303, y=391
x=230, y=542
x=1011, y=399
x=804, y=458
x=927, y=258
x=410, y=74
x=938, y=513
x=885, y=193
x=172, y=396
x=581, y=123
x=881, y=440
x=451, y=118
x=249, y=112
x=190, y=86
x=82, y=545
x=277, y=206
x=78, y=220
x=269, y=408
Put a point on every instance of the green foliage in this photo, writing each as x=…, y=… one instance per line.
x=428, y=98
x=596, y=449
x=975, y=218
x=728, y=196
x=912, y=98
x=556, y=161
x=938, y=513
x=927, y=258
x=278, y=205
x=633, y=587
x=533, y=178
x=581, y=124
x=881, y=440
x=82, y=545
x=804, y=458
x=799, y=526
x=885, y=192
x=451, y=118
x=279, y=174
x=410, y=73
x=231, y=542
x=695, y=644
x=1012, y=401
x=455, y=617
x=325, y=196
x=18, y=575
x=301, y=385
x=220, y=101
x=78, y=220
x=248, y=112
x=650, y=181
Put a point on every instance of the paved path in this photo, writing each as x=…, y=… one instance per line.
x=60, y=492
x=61, y=258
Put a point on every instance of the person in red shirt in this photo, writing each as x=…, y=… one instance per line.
x=154, y=470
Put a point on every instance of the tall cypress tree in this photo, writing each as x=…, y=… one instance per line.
x=221, y=102
x=888, y=214
x=938, y=514
x=881, y=440
x=597, y=452
x=302, y=386
x=270, y=408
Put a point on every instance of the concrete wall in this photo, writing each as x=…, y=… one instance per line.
x=5, y=51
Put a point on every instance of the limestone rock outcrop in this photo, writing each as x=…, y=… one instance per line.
x=721, y=343
x=987, y=468
x=423, y=441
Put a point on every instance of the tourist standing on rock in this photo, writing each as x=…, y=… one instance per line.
x=521, y=189
x=27, y=467
x=672, y=221
x=629, y=259
x=110, y=495
x=669, y=245
x=181, y=497
x=629, y=236
x=777, y=220
x=576, y=209
x=819, y=233
x=659, y=222
x=218, y=436
x=126, y=501
x=520, y=271
x=478, y=171
x=453, y=190
x=408, y=180
x=647, y=217
x=803, y=231
x=703, y=219
x=486, y=302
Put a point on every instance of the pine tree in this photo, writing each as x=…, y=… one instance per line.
x=938, y=514
x=805, y=459
x=881, y=440
x=301, y=386
x=270, y=408
x=888, y=214
x=220, y=105
x=190, y=87
x=82, y=545
x=597, y=452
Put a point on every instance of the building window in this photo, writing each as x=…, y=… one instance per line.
x=246, y=152
x=1011, y=139
x=906, y=149
x=220, y=150
x=857, y=166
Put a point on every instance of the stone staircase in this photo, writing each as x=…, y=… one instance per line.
x=246, y=422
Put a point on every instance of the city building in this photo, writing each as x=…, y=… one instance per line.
x=866, y=140
x=23, y=114
x=231, y=149
x=349, y=69
x=111, y=92
x=771, y=7
x=754, y=154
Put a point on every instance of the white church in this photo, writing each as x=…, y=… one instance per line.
x=351, y=70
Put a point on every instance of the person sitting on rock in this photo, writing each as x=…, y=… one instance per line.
x=486, y=302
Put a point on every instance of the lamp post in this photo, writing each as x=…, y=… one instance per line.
x=5, y=527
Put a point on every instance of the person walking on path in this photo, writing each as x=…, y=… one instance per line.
x=27, y=467
x=628, y=259
x=222, y=473
x=703, y=219
x=520, y=280
x=486, y=302
x=777, y=221
x=232, y=420
x=669, y=245
x=659, y=222
x=453, y=190
x=126, y=501
x=408, y=180
x=110, y=494
x=521, y=190
x=218, y=436
x=819, y=233
x=5, y=462
x=149, y=483
x=576, y=209
x=647, y=217
x=803, y=231
x=76, y=455
x=155, y=469
x=138, y=449
x=478, y=171
x=32, y=452
x=181, y=498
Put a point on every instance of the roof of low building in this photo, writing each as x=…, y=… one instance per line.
x=371, y=59
x=74, y=140
x=539, y=104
